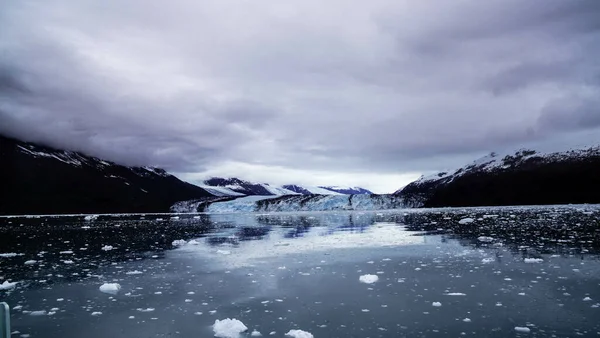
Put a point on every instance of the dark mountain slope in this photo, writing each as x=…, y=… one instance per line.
x=523, y=178
x=41, y=180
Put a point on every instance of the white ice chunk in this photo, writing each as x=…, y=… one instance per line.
x=228, y=328
x=485, y=239
x=255, y=334
x=179, y=242
x=368, y=279
x=522, y=329
x=299, y=334
x=134, y=272
x=30, y=262
x=587, y=299
x=97, y=313
x=38, y=313
x=145, y=310
x=10, y=254
x=455, y=294
x=111, y=288
x=7, y=285
x=436, y=304
x=533, y=260
x=107, y=247
x=90, y=217
x=466, y=220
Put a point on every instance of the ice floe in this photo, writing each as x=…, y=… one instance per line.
x=368, y=279
x=228, y=328
x=110, y=288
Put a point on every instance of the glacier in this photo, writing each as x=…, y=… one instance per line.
x=292, y=203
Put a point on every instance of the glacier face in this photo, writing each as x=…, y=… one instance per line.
x=291, y=203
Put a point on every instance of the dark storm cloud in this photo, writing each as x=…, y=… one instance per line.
x=343, y=86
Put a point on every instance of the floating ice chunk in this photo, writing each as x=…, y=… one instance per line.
x=255, y=334
x=90, y=217
x=10, y=254
x=587, y=299
x=8, y=285
x=228, y=328
x=67, y=252
x=111, y=288
x=485, y=239
x=224, y=252
x=107, y=247
x=68, y=261
x=134, y=272
x=368, y=279
x=455, y=294
x=299, y=334
x=30, y=262
x=533, y=260
x=97, y=313
x=193, y=242
x=467, y=320
x=179, y=242
x=466, y=220
x=522, y=329
x=38, y=313
x=436, y=304
x=145, y=310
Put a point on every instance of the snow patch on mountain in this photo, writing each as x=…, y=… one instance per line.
x=347, y=190
x=309, y=190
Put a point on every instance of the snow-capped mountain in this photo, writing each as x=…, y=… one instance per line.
x=519, y=178
x=36, y=179
x=347, y=190
x=237, y=185
x=308, y=190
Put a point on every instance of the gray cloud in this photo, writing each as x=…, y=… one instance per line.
x=347, y=86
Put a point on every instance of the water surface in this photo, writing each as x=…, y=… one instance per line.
x=534, y=268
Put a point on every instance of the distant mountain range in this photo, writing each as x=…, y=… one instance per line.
x=234, y=186
x=525, y=177
x=36, y=179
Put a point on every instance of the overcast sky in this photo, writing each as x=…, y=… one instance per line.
x=339, y=92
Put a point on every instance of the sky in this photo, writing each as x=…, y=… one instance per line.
x=356, y=93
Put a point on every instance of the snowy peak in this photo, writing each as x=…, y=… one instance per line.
x=348, y=190
x=308, y=190
x=243, y=187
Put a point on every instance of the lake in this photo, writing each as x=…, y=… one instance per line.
x=478, y=272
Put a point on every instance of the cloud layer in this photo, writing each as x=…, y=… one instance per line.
x=383, y=88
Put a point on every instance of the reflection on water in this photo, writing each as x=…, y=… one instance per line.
x=508, y=267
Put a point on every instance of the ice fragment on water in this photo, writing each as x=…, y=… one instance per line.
x=533, y=260
x=368, y=279
x=228, y=328
x=7, y=285
x=110, y=288
x=299, y=334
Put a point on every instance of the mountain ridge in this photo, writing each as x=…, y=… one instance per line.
x=38, y=179
x=523, y=177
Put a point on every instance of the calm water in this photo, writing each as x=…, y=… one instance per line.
x=534, y=268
